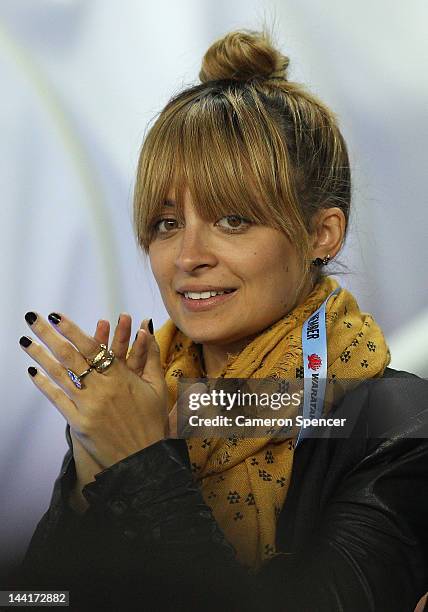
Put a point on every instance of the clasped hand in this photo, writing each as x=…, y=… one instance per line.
x=117, y=412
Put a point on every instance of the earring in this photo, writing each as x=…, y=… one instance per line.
x=321, y=262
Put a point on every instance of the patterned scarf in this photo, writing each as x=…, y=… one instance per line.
x=245, y=480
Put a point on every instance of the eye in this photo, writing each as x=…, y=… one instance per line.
x=236, y=219
x=166, y=220
x=239, y=224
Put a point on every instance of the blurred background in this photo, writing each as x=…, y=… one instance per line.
x=81, y=79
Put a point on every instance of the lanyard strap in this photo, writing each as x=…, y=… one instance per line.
x=314, y=347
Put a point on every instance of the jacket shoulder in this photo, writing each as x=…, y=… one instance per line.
x=392, y=405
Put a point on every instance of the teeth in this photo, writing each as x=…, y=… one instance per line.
x=204, y=295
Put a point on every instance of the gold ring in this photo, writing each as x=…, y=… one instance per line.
x=99, y=356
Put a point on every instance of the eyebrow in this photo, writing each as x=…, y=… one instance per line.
x=169, y=203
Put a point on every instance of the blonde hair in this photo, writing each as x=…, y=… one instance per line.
x=245, y=141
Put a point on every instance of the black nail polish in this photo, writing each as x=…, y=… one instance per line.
x=54, y=318
x=118, y=321
x=32, y=371
x=24, y=341
x=150, y=326
x=136, y=336
x=30, y=317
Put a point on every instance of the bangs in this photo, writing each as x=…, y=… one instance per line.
x=220, y=150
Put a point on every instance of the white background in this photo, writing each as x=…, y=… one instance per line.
x=80, y=80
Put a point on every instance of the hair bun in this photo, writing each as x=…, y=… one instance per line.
x=241, y=55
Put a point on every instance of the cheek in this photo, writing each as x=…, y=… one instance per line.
x=159, y=266
x=266, y=275
x=268, y=263
x=276, y=274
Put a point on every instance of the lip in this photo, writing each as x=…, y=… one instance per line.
x=208, y=303
x=202, y=288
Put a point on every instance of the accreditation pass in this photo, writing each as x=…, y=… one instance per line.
x=34, y=598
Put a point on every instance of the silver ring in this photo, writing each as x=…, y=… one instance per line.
x=77, y=380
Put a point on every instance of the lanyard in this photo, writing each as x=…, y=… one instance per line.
x=314, y=347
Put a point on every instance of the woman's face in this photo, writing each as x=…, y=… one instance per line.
x=259, y=262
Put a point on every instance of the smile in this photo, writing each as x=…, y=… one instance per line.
x=196, y=304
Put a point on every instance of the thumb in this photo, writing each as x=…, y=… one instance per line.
x=181, y=412
x=181, y=408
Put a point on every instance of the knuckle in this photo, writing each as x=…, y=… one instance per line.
x=85, y=427
x=63, y=353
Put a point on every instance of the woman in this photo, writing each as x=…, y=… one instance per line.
x=243, y=188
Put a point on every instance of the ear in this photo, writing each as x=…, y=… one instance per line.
x=329, y=225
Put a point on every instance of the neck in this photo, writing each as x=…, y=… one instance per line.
x=214, y=357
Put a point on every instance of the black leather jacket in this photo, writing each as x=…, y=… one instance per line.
x=353, y=531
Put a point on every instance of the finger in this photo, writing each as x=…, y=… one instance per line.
x=121, y=337
x=153, y=367
x=52, y=367
x=56, y=396
x=86, y=345
x=65, y=353
x=102, y=332
x=137, y=355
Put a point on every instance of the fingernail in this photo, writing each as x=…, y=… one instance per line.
x=54, y=318
x=24, y=341
x=32, y=371
x=118, y=321
x=136, y=336
x=150, y=326
x=30, y=317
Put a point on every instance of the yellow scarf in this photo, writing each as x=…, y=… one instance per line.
x=245, y=480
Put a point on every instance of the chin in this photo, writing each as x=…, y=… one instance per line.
x=203, y=338
x=199, y=333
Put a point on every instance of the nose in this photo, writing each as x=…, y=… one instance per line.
x=195, y=248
